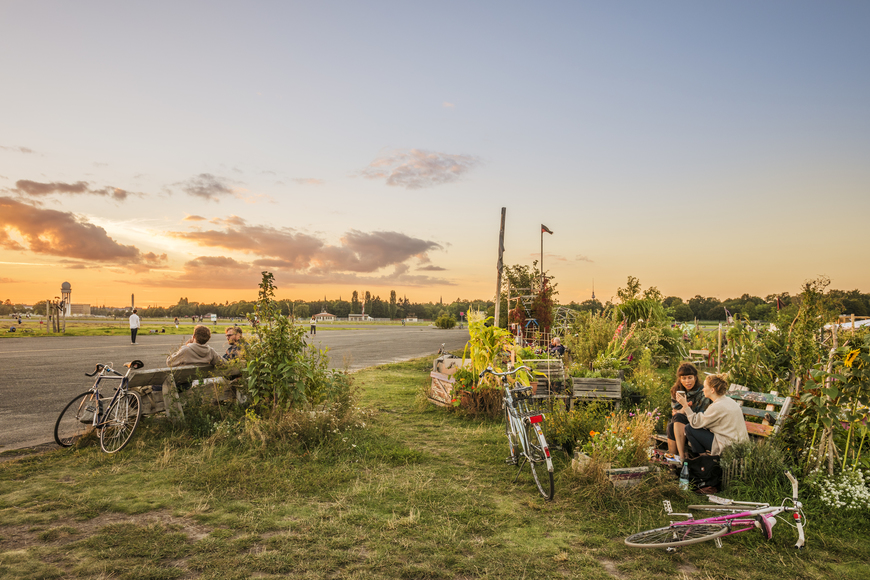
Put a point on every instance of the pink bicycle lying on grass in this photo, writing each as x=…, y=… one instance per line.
x=741, y=517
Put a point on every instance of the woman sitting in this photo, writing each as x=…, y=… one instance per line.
x=720, y=425
x=687, y=381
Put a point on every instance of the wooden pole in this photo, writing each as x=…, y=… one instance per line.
x=500, y=268
x=719, y=351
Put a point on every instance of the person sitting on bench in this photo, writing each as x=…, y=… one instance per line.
x=687, y=380
x=234, y=338
x=195, y=351
x=720, y=425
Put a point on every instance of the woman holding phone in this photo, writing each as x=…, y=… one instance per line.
x=692, y=390
x=721, y=423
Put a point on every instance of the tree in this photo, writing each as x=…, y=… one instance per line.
x=672, y=301
x=682, y=313
x=392, y=303
x=355, y=307
x=631, y=290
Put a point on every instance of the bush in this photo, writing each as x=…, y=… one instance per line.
x=282, y=371
x=846, y=491
x=756, y=468
x=294, y=396
x=445, y=321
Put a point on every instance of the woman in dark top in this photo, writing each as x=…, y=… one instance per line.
x=687, y=380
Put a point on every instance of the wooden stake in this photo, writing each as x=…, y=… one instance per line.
x=499, y=268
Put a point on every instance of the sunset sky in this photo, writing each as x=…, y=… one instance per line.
x=173, y=149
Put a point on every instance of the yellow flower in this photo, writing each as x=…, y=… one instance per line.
x=850, y=358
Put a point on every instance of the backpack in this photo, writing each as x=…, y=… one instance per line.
x=705, y=471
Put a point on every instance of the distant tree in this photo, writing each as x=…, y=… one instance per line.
x=392, y=303
x=631, y=290
x=355, y=306
x=682, y=313
x=671, y=301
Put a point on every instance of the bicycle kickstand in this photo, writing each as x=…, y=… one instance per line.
x=520, y=469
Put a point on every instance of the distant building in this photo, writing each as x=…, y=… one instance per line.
x=358, y=317
x=324, y=317
x=80, y=309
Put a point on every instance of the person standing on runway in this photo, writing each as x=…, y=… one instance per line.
x=134, y=326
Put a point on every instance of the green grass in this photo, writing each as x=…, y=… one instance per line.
x=418, y=492
x=121, y=327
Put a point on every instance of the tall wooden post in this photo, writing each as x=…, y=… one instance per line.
x=719, y=351
x=500, y=268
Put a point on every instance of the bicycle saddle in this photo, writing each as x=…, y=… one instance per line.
x=136, y=364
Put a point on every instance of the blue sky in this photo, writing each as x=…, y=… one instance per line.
x=178, y=149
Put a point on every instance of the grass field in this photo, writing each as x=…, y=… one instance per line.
x=121, y=327
x=416, y=492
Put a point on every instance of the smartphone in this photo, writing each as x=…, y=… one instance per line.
x=681, y=393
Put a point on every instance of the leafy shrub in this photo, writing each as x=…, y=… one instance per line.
x=589, y=335
x=624, y=442
x=282, y=371
x=757, y=468
x=445, y=321
x=570, y=428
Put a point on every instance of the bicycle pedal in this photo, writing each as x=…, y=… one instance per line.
x=511, y=461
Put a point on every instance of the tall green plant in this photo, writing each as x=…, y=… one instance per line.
x=838, y=400
x=282, y=372
x=489, y=345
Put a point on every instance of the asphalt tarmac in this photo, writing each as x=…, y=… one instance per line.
x=40, y=375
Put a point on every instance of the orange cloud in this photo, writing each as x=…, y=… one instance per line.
x=57, y=233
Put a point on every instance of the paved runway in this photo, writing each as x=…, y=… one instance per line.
x=40, y=375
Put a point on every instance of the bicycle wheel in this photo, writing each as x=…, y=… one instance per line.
x=76, y=420
x=120, y=422
x=540, y=463
x=514, y=457
x=676, y=535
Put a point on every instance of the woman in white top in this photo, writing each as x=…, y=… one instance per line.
x=721, y=423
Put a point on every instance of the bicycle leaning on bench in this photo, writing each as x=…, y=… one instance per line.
x=741, y=517
x=116, y=420
x=525, y=437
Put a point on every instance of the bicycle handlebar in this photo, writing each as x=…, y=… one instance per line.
x=794, y=485
x=504, y=374
x=100, y=367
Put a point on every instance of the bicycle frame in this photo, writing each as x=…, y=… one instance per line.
x=100, y=371
x=744, y=516
x=520, y=425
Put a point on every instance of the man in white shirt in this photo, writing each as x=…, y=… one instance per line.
x=134, y=325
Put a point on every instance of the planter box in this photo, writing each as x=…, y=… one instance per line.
x=619, y=477
x=441, y=390
x=627, y=476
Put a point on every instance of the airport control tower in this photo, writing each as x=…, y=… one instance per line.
x=65, y=292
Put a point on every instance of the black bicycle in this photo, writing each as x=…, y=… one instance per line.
x=115, y=418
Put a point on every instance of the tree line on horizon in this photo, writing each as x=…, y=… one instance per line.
x=699, y=307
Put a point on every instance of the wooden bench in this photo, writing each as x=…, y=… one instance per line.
x=157, y=387
x=768, y=414
x=760, y=411
x=549, y=374
x=597, y=389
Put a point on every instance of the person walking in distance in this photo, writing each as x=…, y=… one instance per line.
x=134, y=326
x=313, y=325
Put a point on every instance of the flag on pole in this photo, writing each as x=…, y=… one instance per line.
x=545, y=229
